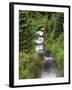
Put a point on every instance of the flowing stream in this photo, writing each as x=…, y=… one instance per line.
x=49, y=69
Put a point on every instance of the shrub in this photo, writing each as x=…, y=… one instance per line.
x=29, y=65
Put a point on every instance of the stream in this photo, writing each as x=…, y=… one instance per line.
x=49, y=69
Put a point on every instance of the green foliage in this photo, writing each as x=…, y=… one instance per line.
x=28, y=25
x=35, y=66
x=29, y=65
x=29, y=62
x=26, y=32
x=54, y=39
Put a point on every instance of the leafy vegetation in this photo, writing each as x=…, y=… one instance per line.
x=29, y=21
x=29, y=65
x=54, y=39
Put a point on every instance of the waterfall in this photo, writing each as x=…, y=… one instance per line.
x=49, y=68
x=40, y=42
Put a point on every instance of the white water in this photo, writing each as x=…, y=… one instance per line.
x=39, y=40
x=49, y=69
x=40, y=33
x=48, y=58
x=39, y=48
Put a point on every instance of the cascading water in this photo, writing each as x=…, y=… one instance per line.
x=40, y=42
x=49, y=68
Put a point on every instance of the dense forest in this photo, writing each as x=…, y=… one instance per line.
x=30, y=63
